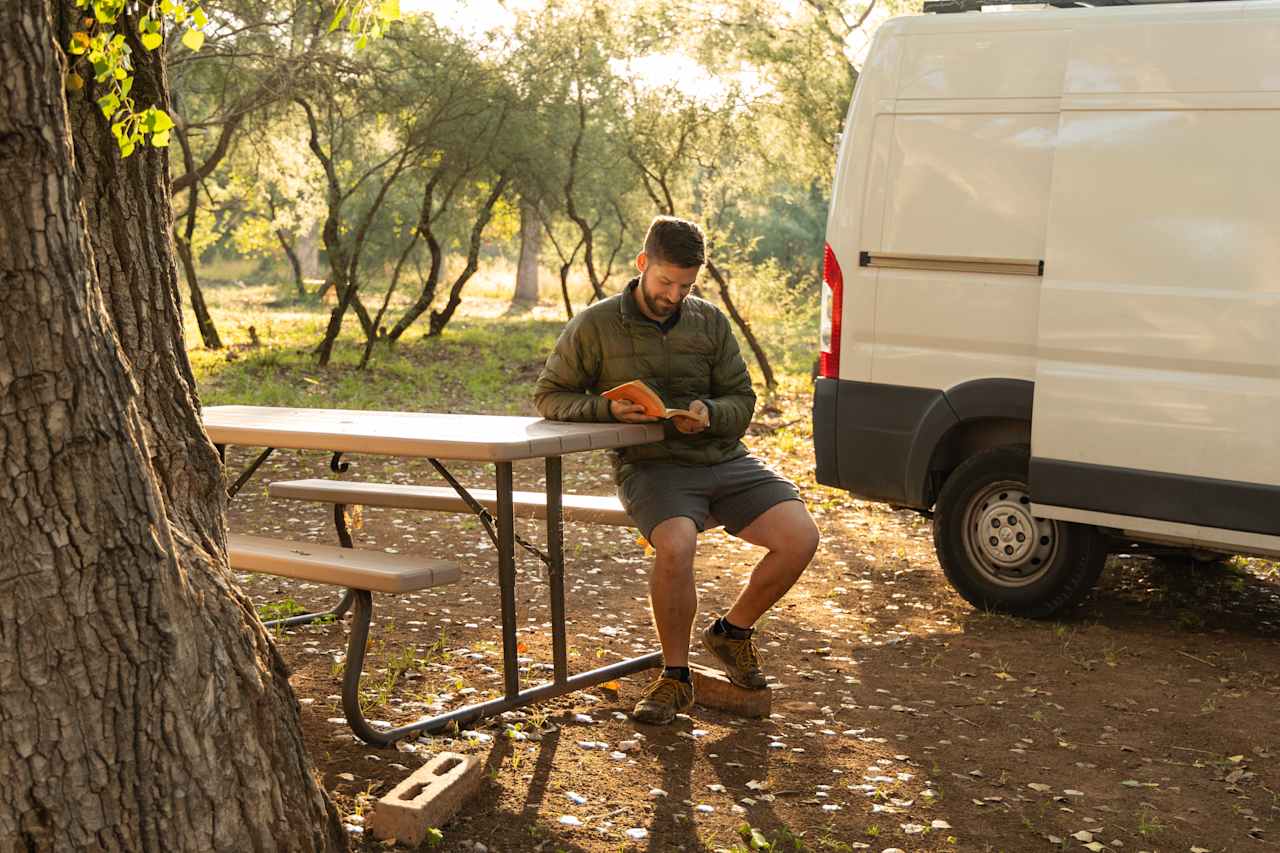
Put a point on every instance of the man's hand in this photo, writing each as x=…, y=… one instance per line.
x=700, y=421
x=629, y=413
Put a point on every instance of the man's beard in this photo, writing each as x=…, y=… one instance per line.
x=658, y=306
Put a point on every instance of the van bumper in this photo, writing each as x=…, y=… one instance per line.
x=867, y=438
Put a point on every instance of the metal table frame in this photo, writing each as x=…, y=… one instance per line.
x=513, y=697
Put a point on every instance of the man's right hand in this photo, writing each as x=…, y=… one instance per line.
x=629, y=413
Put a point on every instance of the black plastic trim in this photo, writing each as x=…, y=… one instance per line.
x=1225, y=504
x=877, y=441
x=993, y=398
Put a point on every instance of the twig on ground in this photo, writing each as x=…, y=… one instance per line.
x=1199, y=660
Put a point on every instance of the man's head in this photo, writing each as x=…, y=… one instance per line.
x=674, y=252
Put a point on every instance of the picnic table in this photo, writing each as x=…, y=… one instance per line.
x=499, y=440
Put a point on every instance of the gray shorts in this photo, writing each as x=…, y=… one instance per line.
x=734, y=493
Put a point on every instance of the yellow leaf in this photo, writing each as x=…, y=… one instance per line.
x=193, y=39
x=151, y=40
x=160, y=140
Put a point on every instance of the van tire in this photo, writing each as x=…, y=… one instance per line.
x=1025, y=566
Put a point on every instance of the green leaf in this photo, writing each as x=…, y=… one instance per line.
x=108, y=103
x=126, y=148
x=193, y=39
x=101, y=70
x=200, y=17
x=152, y=40
x=125, y=87
x=160, y=140
x=160, y=121
x=337, y=19
x=361, y=42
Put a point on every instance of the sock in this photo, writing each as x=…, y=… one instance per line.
x=679, y=673
x=724, y=626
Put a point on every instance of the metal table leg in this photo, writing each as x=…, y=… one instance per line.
x=507, y=582
x=555, y=548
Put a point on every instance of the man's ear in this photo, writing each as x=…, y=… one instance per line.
x=642, y=261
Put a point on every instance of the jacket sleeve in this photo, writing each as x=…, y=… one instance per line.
x=733, y=401
x=563, y=389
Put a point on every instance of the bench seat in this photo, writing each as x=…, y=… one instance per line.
x=346, y=567
x=594, y=509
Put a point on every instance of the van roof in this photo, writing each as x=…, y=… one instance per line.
x=1100, y=12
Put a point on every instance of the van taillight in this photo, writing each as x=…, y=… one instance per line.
x=832, y=299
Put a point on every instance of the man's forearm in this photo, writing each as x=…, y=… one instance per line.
x=558, y=405
x=731, y=413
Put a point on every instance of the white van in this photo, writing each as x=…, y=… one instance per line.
x=1051, y=310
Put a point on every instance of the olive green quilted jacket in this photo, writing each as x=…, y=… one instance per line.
x=612, y=342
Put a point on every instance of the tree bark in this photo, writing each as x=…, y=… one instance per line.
x=144, y=706
x=530, y=249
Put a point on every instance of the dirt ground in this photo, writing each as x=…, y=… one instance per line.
x=904, y=719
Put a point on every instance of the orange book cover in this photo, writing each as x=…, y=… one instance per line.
x=637, y=392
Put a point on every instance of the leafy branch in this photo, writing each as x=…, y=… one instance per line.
x=100, y=50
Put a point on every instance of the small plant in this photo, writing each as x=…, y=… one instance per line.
x=286, y=609
x=1149, y=824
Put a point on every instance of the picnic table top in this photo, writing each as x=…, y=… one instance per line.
x=480, y=438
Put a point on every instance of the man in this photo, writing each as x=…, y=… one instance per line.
x=700, y=474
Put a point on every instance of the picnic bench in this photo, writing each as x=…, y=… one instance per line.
x=362, y=573
x=495, y=439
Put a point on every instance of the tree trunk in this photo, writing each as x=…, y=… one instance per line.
x=204, y=320
x=144, y=706
x=530, y=249
x=758, y=351
x=294, y=262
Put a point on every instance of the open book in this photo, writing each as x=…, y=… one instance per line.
x=636, y=391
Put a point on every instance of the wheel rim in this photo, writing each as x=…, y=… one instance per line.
x=1004, y=541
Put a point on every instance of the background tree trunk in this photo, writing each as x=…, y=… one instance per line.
x=530, y=250
x=144, y=705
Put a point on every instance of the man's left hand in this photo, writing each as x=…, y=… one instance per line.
x=701, y=419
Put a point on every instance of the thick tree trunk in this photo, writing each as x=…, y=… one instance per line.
x=530, y=250
x=144, y=707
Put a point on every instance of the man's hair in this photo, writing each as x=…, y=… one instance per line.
x=678, y=242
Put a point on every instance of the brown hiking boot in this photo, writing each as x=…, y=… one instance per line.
x=662, y=700
x=739, y=658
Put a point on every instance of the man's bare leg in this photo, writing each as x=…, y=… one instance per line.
x=789, y=533
x=672, y=594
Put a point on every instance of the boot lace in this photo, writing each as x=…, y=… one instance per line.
x=746, y=655
x=664, y=690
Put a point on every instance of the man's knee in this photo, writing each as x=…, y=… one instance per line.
x=798, y=536
x=676, y=541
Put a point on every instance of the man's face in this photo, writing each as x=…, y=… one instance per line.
x=664, y=286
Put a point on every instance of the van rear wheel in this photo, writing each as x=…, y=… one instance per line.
x=998, y=555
